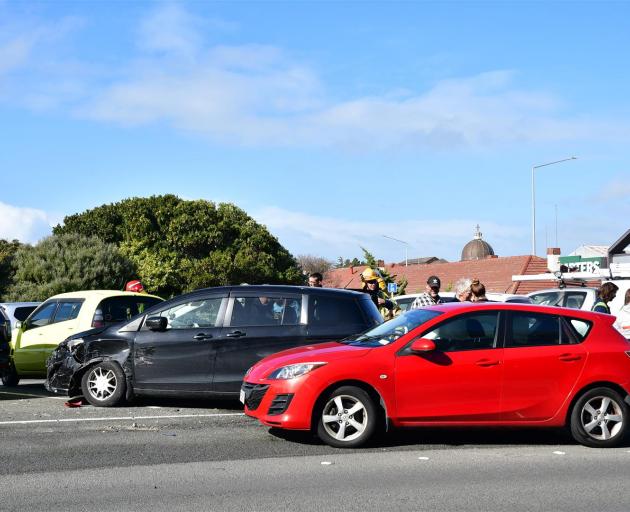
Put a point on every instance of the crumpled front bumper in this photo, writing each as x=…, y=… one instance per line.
x=61, y=367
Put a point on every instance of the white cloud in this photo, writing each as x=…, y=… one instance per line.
x=332, y=237
x=258, y=95
x=25, y=224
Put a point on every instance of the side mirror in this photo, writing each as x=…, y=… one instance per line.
x=18, y=325
x=422, y=346
x=156, y=323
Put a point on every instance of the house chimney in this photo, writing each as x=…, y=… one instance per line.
x=553, y=259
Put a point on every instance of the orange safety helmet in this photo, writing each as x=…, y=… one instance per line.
x=134, y=286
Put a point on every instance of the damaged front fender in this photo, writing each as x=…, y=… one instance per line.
x=69, y=362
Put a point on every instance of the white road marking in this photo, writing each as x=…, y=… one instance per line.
x=423, y=458
x=326, y=463
x=559, y=453
x=121, y=418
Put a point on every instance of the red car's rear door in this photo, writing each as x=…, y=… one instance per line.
x=541, y=366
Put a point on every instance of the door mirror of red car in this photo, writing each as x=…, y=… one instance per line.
x=422, y=346
x=157, y=323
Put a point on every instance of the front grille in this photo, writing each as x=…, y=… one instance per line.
x=254, y=394
x=279, y=404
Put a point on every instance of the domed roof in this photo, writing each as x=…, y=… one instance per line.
x=477, y=249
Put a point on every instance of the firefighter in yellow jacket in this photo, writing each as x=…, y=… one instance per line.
x=374, y=285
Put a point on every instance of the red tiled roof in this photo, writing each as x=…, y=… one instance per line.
x=495, y=273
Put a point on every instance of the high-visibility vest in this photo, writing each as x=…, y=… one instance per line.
x=603, y=304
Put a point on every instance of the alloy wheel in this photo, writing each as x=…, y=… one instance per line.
x=345, y=418
x=602, y=418
x=102, y=383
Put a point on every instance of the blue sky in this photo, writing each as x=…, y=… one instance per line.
x=332, y=123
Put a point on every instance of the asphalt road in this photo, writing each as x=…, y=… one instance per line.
x=200, y=455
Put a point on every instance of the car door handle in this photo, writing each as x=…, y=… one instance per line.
x=202, y=336
x=235, y=334
x=570, y=357
x=487, y=362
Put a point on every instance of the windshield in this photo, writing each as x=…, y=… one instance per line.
x=390, y=331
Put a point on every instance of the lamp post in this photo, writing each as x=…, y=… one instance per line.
x=534, y=167
x=402, y=242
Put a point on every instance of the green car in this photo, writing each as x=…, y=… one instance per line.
x=62, y=316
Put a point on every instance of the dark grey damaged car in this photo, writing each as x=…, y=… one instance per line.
x=202, y=343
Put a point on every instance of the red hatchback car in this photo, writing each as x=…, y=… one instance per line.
x=457, y=365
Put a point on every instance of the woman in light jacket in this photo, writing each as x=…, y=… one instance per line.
x=623, y=317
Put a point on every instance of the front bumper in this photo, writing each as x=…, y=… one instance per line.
x=280, y=403
x=61, y=367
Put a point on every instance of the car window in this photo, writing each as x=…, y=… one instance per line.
x=118, y=309
x=574, y=299
x=193, y=314
x=42, y=315
x=468, y=332
x=67, y=311
x=405, y=304
x=547, y=298
x=334, y=310
x=580, y=328
x=21, y=313
x=264, y=310
x=533, y=330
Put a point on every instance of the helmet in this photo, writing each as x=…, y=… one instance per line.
x=134, y=286
x=369, y=274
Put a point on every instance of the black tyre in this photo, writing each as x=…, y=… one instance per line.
x=599, y=418
x=10, y=378
x=347, y=418
x=104, y=384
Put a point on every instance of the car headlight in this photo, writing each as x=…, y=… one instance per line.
x=74, y=343
x=292, y=371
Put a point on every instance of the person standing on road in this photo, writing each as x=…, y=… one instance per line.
x=372, y=286
x=622, y=324
x=477, y=291
x=315, y=280
x=462, y=289
x=606, y=293
x=431, y=295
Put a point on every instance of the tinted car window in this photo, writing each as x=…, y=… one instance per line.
x=264, y=310
x=190, y=315
x=67, y=311
x=22, y=312
x=547, y=299
x=332, y=310
x=43, y=315
x=469, y=332
x=580, y=328
x=533, y=330
x=575, y=299
x=118, y=309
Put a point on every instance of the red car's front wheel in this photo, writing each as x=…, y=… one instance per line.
x=348, y=418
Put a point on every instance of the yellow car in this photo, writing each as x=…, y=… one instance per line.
x=62, y=316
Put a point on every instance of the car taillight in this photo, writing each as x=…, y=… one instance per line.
x=98, y=320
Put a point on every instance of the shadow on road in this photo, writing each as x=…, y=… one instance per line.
x=26, y=391
x=449, y=437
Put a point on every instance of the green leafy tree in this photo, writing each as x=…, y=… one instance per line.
x=7, y=254
x=66, y=263
x=179, y=245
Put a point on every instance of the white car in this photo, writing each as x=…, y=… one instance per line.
x=579, y=297
x=405, y=301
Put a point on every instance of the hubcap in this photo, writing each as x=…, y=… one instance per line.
x=345, y=418
x=602, y=418
x=102, y=383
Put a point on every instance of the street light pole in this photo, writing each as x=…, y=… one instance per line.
x=402, y=242
x=534, y=167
